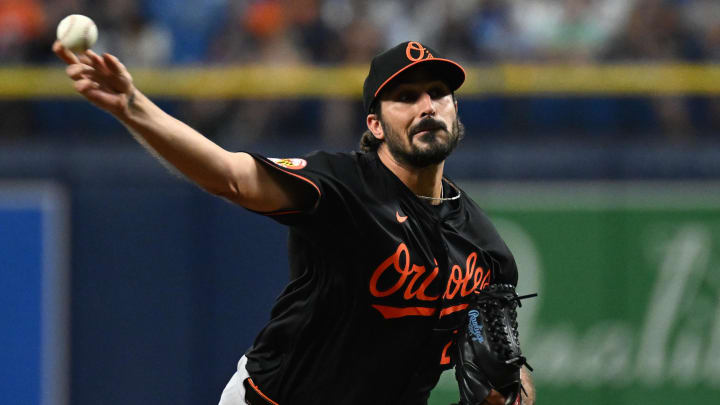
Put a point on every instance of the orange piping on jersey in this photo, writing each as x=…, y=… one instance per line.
x=273, y=165
x=450, y=310
x=255, y=387
x=395, y=312
x=444, y=358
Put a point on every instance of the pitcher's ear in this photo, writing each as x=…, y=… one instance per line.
x=375, y=126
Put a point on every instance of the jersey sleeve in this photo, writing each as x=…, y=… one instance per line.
x=324, y=175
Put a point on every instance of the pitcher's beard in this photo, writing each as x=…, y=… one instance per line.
x=433, y=152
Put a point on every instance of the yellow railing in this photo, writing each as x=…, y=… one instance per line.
x=346, y=81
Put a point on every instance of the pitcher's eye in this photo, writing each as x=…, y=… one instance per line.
x=436, y=92
x=407, y=96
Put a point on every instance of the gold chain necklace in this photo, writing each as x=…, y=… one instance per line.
x=442, y=195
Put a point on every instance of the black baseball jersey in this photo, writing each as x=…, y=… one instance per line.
x=380, y=282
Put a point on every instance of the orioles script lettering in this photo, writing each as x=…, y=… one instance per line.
x=411, y=281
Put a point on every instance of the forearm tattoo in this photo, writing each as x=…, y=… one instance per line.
x=131, y=99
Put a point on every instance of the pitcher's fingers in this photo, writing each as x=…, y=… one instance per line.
x=98, y=62
x=84, y=85
x=63, y=53
x=78, y=71
x=85, y=59
x=113, y=63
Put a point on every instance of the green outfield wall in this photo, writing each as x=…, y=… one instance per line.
x=629, y=282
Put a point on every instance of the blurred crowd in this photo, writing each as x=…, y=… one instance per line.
x=161, y=32
x=169, y=32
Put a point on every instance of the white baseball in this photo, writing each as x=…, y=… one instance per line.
x=77, y=32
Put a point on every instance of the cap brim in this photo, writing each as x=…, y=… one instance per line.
x=451, y=73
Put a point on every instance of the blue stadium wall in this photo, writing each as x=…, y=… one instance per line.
x=169, y=285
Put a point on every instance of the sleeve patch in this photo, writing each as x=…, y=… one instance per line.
x=289, y=163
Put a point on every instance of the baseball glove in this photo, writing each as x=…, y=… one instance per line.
x=488, y=352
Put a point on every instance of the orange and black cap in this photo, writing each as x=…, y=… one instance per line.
x=388, y=65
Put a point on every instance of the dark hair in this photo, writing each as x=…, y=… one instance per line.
x=368, y=141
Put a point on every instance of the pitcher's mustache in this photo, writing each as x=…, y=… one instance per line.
x=428, y=124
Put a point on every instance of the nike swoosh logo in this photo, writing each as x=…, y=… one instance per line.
x=400, y=218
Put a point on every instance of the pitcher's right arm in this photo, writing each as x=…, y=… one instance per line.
x=105, y=82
